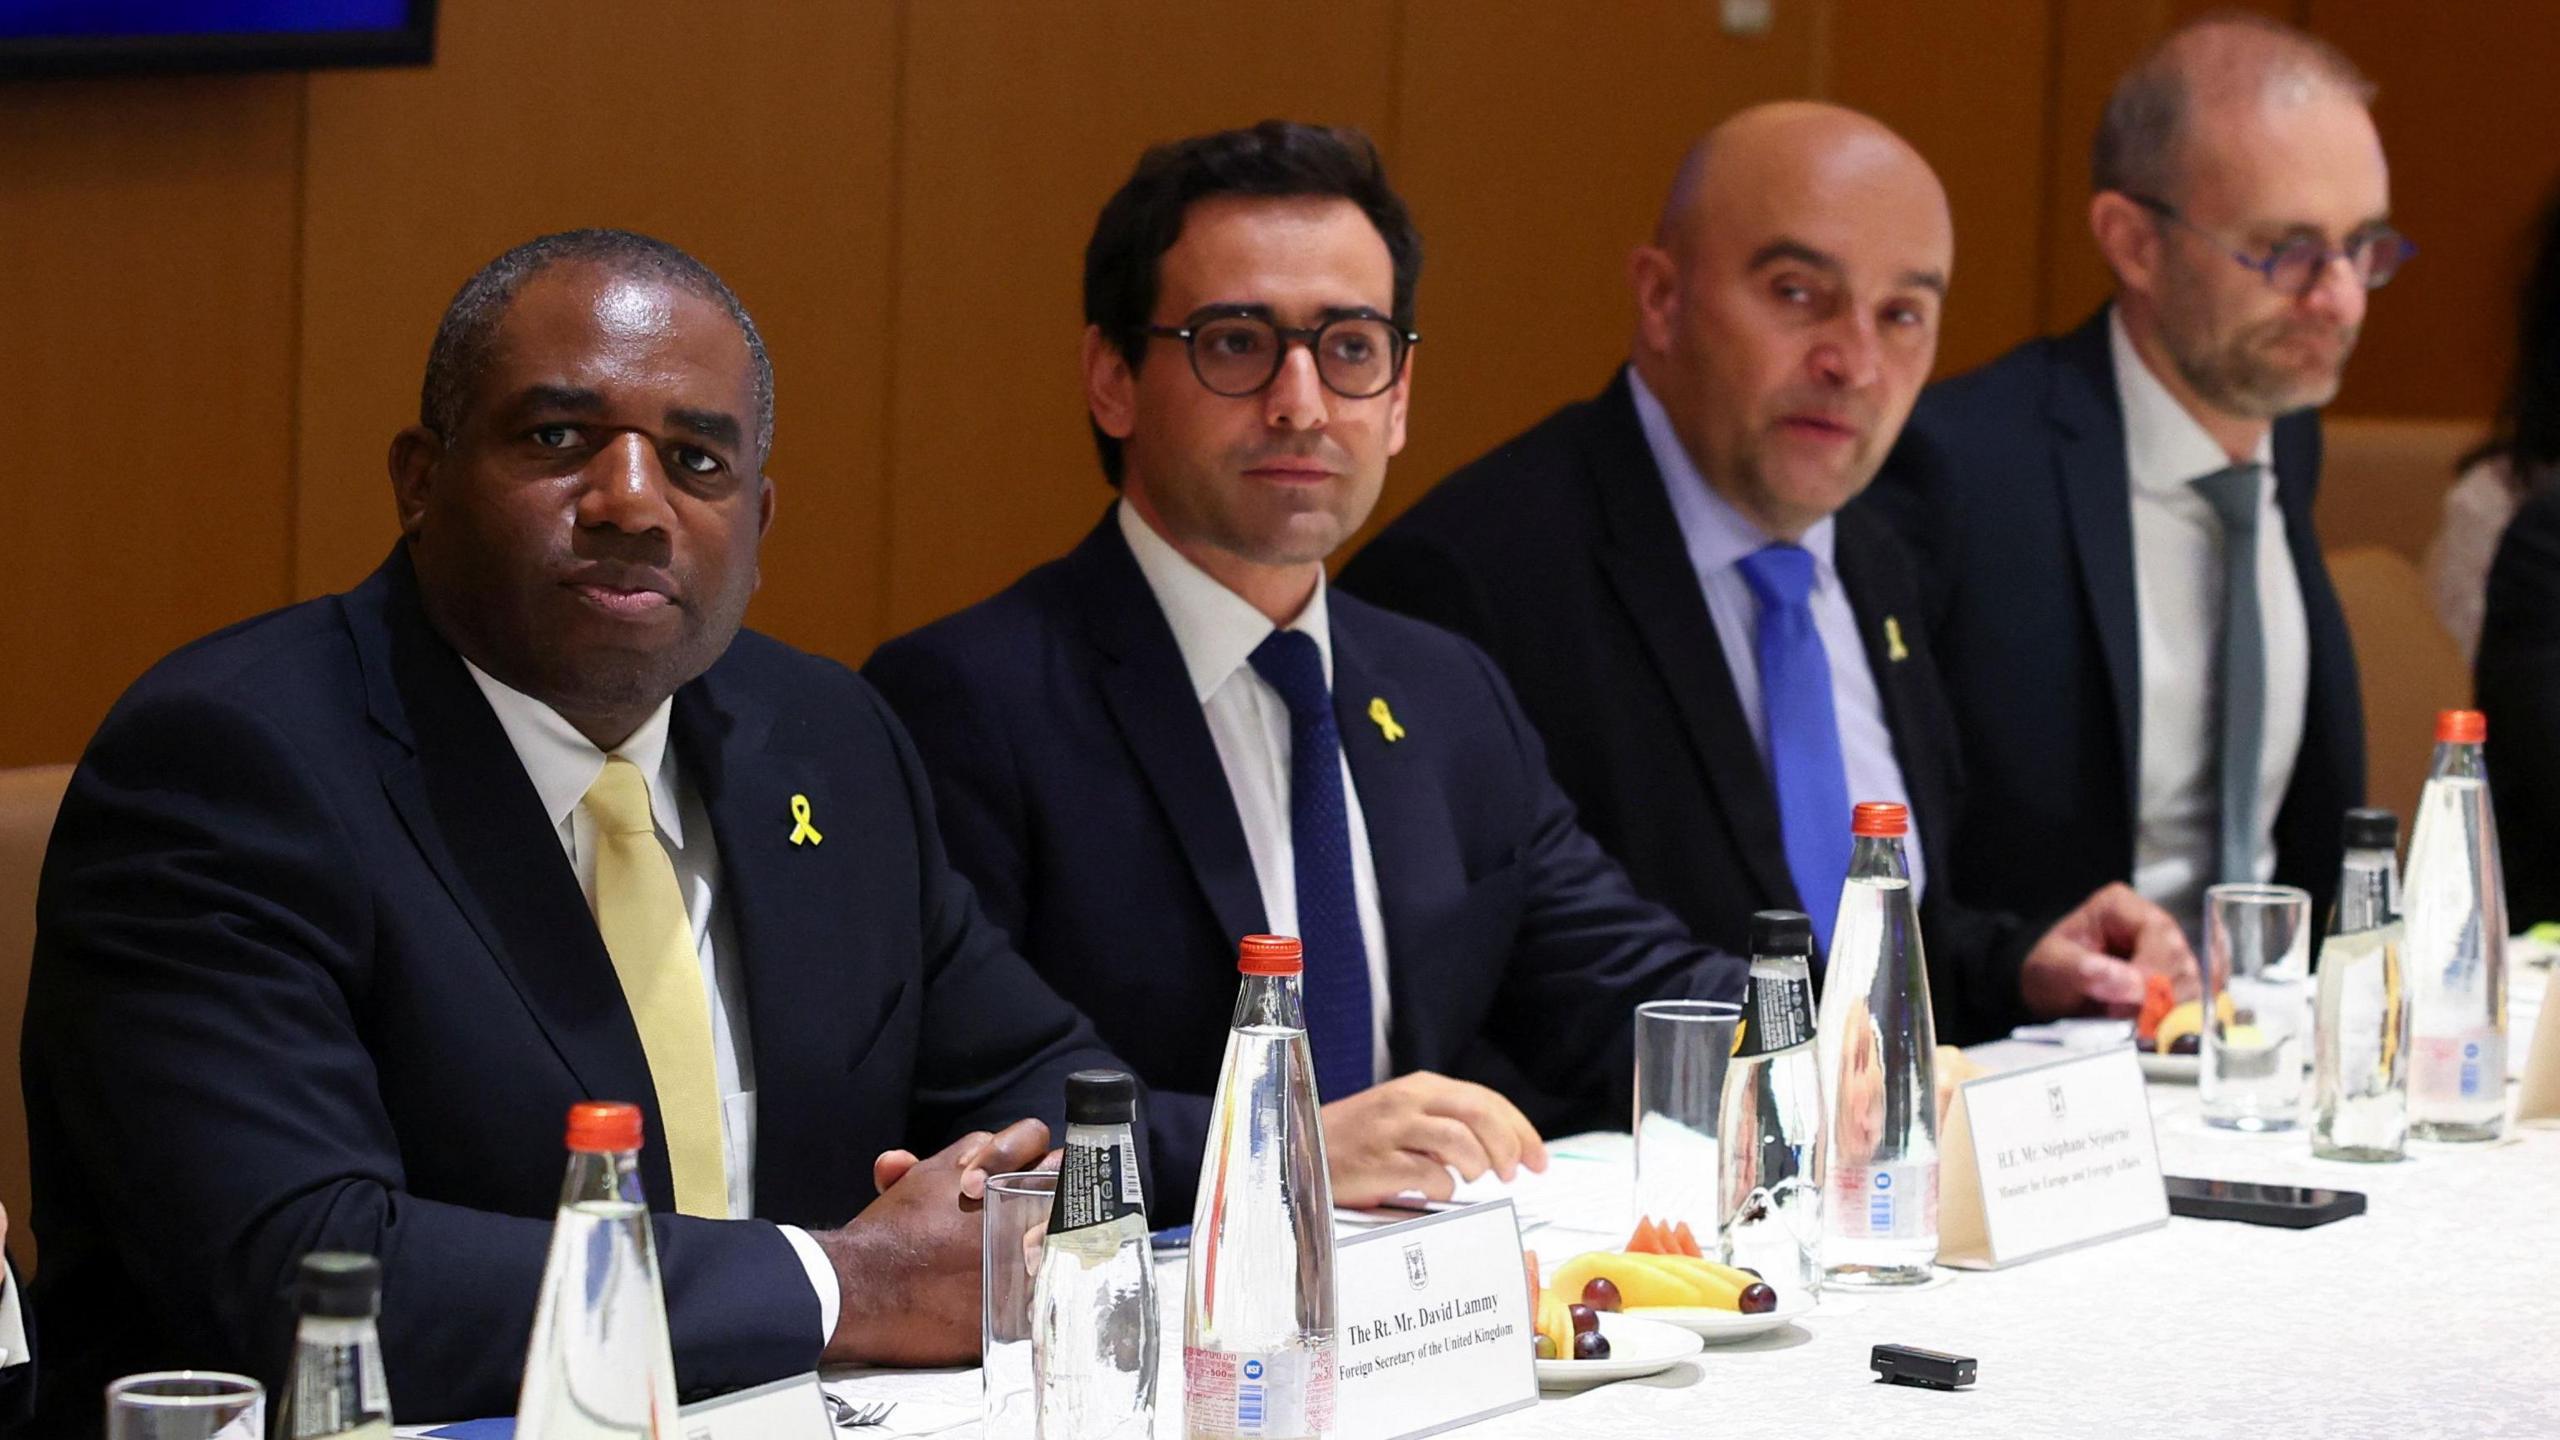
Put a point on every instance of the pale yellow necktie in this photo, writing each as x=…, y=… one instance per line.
x=640, y=909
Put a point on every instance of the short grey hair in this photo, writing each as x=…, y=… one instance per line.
x=2234, y=53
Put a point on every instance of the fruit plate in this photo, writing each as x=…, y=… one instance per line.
x=1720, y=1327
x=1636, y=1347
x=2168, y=1069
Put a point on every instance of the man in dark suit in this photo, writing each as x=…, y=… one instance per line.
x=17, y=1343
x=1175, y=735
x=2151, y=676
x=2517, y=677
x=348, y=904
x=1627, y=563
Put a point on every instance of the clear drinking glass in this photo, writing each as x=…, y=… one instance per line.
x=186, y=1405
x=2258, y=952
x=1016, y=1219
x=1683, y=1048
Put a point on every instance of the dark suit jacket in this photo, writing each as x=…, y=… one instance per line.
x=2518, y=678
x=1080, y=789
x=1559, y=554
x=312, y=971
x=2011, y=483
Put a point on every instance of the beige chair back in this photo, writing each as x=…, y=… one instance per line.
x=2382, y=482
x=28, y=800
x=2407, y=667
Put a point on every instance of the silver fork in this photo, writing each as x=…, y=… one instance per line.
x=847, y=1415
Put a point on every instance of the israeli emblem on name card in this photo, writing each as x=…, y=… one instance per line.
x=1416, y=1273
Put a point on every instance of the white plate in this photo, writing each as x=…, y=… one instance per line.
x=1718, y=1327
x=2168, y=1069
x=1637, y=1346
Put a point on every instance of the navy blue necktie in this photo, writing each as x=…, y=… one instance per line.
x=1803, y=732
x=1337, y=984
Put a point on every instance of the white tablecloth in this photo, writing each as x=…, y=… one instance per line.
x=2435, y=1313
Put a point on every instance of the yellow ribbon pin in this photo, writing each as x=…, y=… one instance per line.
x=1893, y=647
x=1385, y=719
x=802, y=832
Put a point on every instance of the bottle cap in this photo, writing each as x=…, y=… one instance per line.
x=1101, y=1097
x=1880, y=818
x=2372, y=830
x=1271, y=955
x=2461, y=727
x=340, y=1286
x=597, y=1126
x=1782, y=932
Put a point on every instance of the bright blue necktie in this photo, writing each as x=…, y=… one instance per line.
x=1803, y=732
x=1337, y=975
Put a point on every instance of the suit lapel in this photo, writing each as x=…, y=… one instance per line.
x=1403, y=806
x=1149, y=694
x=802, y=988
x=1648, y=566
x=1862, y=577
x=2097, y=493
x=467, y=803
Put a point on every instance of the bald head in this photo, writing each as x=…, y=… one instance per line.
x=1787, y=309
x=1799, y=145
x=2200, y=77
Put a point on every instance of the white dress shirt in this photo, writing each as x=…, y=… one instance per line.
x=563, y=765
x=13, y=1323
x=1718, y=538
x=2177, y=553
x=1217, y=631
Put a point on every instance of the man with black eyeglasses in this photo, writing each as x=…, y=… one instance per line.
x=2151, y=674
x=1177, y=735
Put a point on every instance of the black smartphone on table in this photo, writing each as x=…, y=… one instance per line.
x=2291, y=1207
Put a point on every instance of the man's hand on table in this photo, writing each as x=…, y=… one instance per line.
x=1409, y=1133
x=2092, y=962
x=908, y=1264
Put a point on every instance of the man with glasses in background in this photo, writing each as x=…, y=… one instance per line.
x=2151, y=675
x=1177, y=735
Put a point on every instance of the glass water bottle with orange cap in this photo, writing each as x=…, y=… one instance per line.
x=599, y=1364
x=2454, y=904
x=1878, y=1046
x=1258, y=1316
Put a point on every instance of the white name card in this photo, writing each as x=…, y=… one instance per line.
x=790, y=1409
x=1436, y=1326
x=2046, y=1158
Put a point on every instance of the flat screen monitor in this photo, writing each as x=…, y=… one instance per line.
x=94, y=37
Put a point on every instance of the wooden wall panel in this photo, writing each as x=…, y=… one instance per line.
x=147, y=264
x=1534, y=144
x=2094, y=40
x=1978, y=112
x=2473, y=135
x=223, y=288
x=759, y=140
x=1015, y=134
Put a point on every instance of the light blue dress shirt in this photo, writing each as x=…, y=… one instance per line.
x=1717, y=536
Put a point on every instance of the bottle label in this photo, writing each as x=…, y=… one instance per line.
x=1097, y=1184
x=1883, y=1202
x=2470, y=1065
x=1266, y=1395
x=1777, y=1013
